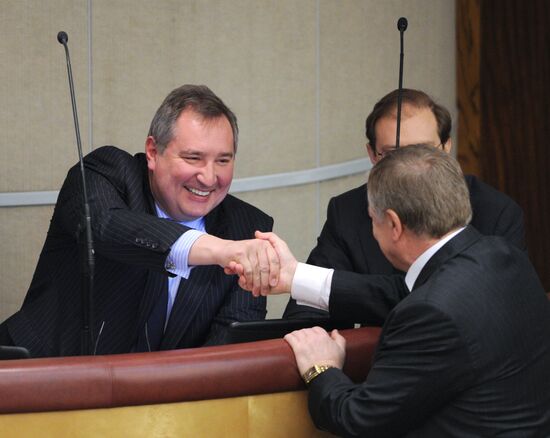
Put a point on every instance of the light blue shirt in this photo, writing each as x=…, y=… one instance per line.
x=177, y=260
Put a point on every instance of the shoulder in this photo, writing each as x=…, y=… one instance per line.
x=106, y=152
x=109, y=157
x=351, y=197
x=349, y=210
x=475, y=271
x=495, y=213
x=485, y=197
x=237, y=209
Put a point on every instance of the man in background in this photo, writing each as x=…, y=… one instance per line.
x=465, y=353
x=363, y=275
x=161, y=221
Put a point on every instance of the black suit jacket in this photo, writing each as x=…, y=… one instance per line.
x=131, y=246
x=347, y=245
x=465, y=354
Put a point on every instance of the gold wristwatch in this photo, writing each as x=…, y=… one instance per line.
x=314, y=371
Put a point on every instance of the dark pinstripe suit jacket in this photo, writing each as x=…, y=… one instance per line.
x=465, y=354
x=347, y=245
x=131, y=245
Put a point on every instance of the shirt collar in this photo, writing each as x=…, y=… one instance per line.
x=420, y=262
x=196, y=224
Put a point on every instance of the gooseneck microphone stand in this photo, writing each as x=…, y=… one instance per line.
x=402, y=24
x=88, y=262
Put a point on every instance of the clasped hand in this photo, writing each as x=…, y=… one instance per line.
x=268, y=269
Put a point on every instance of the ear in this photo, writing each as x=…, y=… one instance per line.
x=448, y=146
x=372, y=154
x=151, y=152
x=395, y=224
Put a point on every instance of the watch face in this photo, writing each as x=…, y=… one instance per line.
x=314, y=371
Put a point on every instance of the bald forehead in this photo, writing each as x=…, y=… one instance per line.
x=418, y=125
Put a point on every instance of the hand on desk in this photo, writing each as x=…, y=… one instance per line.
x=314, y=346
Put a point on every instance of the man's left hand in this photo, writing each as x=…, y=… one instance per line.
x=314, y=346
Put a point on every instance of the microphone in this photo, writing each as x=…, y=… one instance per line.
x=88, y=262
x=402, y=24
x=62, y=37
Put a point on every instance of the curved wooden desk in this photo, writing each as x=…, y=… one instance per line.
x=234, y=386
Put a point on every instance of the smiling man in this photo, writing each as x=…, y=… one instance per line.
x=161, y=223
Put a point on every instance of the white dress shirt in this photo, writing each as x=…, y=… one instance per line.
x=311, y=285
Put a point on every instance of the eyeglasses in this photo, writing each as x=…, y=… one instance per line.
x=387, y=151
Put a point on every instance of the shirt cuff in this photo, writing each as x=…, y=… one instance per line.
x=311, y=286
x=177, y=260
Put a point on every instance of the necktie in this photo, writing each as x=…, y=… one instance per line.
x=150, y=336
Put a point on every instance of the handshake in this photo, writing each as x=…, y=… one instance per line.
x=264, y=265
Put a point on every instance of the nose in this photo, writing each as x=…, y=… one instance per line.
x=207, y=175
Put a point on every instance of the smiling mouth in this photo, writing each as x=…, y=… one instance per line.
x=198, y=192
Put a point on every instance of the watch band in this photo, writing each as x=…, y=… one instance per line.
x=314, y=371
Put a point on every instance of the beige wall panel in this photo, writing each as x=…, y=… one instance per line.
x=36, y=120
x=359, y=59
x=300, y=75
x=294, y=210
x=258, y=56
x=25, y=230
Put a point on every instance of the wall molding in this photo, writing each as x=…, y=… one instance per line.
x=239, y=185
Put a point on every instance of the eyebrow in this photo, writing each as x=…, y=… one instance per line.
x=420, y=143
x=199, y=152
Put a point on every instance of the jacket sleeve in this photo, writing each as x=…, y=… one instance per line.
x=413, y=375
x=329, y=253
x=123, y=225
x=365, y=298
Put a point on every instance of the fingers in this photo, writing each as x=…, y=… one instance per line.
x=277, y=243
x=274, y=266
x=314, y=346
x=265, y=265
x=339, y=339
x=233, y=269
x=263, y=268
x=256, y=263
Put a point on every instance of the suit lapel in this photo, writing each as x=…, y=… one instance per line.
x=193, y=291
x=156, y=283
x=453, y=247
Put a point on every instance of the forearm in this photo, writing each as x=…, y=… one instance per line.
x=208, y=250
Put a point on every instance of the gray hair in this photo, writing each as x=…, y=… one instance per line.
x=200, y=99
x=424, y=186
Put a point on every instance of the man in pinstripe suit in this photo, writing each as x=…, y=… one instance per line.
x=164, y=227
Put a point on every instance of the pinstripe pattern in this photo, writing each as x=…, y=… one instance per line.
x=131, y=246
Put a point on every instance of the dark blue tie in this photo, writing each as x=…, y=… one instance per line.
x=150, y=335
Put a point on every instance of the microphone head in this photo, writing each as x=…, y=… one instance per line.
x=62, y=37
x=402, y=24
